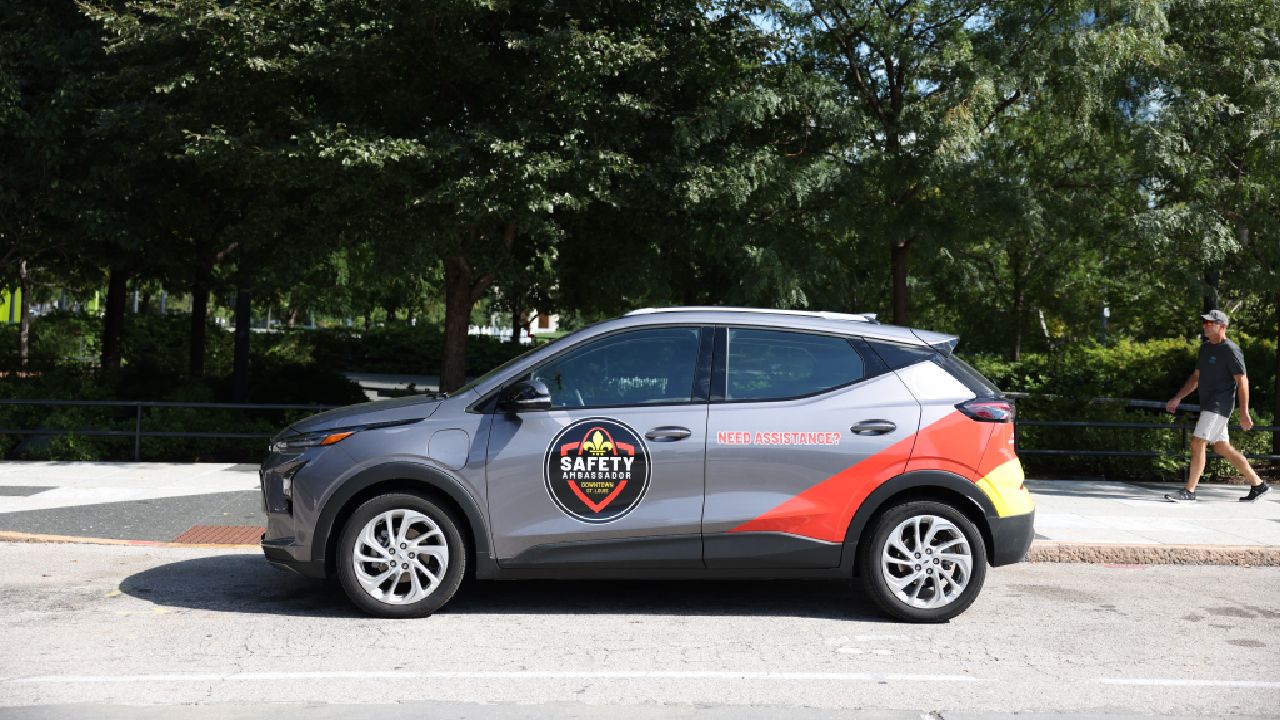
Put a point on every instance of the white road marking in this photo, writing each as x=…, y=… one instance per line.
x=216, y=677
x=1168, y=682
x=586, y=675
x=521, y=675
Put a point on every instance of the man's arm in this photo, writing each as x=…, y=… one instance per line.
x=1187, y=389
x=1242, y=392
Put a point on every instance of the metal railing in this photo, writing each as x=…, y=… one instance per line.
x=1181, y=426
x=137, y=433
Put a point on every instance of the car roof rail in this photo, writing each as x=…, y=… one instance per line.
x=824, y=314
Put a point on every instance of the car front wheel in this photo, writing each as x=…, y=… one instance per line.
x=923, y=561
x=400, y=556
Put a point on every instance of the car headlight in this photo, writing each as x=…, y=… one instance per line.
x=298, y=443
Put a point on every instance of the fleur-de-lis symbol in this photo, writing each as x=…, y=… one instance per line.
x=597, y=444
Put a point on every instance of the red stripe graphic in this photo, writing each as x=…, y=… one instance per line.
x=953, y=443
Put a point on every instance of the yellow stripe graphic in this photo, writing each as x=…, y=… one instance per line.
x=1004, y=486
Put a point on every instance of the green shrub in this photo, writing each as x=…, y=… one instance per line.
x=287, y=384
x=60, y=338
x=1151, y=370
x=1064, y=384
x=161, y=343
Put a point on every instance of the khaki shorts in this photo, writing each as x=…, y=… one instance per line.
x=1212, y=427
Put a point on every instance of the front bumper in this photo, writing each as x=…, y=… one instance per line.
x=1011, y=538
x=280, y=554
x=287, y=540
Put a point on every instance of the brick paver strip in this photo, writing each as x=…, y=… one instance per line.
x=220, y=535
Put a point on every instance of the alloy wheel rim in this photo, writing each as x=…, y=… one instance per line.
x=927, y=562
x=400, y=557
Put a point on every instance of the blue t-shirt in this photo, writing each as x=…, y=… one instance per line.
x=1218, y=365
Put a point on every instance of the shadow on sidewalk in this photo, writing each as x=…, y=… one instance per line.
x=245, y=583
x=1133, y=490
x=1104, y=489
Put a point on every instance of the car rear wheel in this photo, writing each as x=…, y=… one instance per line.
x=923, y=561
x=400, y=556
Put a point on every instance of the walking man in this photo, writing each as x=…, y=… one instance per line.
x=1220, y=375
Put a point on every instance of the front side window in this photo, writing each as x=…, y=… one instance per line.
x=639, y=367
x=776, y=364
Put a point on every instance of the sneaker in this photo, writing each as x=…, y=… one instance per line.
x=1182, y=495
x=1256, y=492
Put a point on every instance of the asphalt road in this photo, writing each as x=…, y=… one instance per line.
x=222, y=631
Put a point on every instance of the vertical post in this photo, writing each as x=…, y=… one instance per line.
x=137, y=434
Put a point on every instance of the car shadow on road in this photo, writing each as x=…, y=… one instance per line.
x=245, y=583
x=240, y=583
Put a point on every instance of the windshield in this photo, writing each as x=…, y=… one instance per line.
x=510, y=363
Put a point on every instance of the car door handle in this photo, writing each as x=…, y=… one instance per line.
x=668, y=433
x=873, y=427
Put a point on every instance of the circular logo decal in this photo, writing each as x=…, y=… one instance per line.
x=597, y=470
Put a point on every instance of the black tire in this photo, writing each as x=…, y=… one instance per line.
x=448, y=582
x=957, y=527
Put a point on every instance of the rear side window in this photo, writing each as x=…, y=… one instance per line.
x=899, y=356
x=971, y=378
x=776, y=364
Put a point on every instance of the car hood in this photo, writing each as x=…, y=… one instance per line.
x=381, y=411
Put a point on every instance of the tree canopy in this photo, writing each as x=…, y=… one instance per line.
x=1030, y=174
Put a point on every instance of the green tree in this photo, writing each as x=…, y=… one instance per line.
x=1215, y=144
x=210, y=104
x=917, y=86
x=48, y=52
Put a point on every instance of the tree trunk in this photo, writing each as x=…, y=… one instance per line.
x=457, y=316
x=1019, y=300
x=1211, y=289
x=240, y=372
x=898, y=268
x=517, y=322
x=462, y=290
x=113, y=320
x=24, y=316
x=199, y=326
x=1019, y=321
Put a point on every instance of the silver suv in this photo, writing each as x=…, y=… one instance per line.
x=668, y=443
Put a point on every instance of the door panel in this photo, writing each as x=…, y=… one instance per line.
x=613, y=473
x=797, y=469
x=540, y=506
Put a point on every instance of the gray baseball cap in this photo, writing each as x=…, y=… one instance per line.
x=1216, y=316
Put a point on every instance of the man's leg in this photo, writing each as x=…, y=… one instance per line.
x=1198, y=446
x=1237, y=460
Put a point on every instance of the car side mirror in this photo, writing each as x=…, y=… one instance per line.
x=526, y=395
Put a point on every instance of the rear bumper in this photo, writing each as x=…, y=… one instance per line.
x=1011, y=538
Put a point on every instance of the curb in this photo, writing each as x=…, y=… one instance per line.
x=1238, y=555
x=1040, y=552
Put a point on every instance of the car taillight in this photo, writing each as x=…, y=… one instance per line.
x=1000, y=411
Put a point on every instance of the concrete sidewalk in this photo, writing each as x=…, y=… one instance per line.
x=211, y=503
